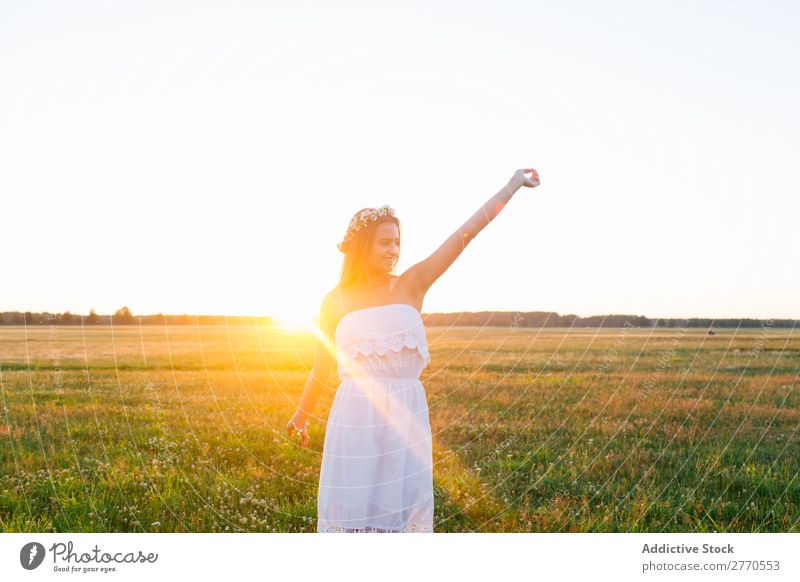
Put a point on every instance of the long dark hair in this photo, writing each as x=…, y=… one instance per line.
x=356, y=251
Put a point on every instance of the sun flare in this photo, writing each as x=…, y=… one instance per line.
x=294, y=321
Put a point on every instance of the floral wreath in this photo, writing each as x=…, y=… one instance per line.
x=361, y=220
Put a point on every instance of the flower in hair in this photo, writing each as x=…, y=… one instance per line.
x=362, y=220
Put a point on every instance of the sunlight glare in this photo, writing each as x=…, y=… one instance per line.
x=294, y=322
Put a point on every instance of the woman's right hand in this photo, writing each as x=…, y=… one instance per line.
x=302, y=424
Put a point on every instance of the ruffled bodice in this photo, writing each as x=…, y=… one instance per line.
x=385, y=341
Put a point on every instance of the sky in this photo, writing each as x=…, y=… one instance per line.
x=206, y=157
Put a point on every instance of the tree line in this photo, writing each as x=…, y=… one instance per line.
x=513, y=319
x=554, y=319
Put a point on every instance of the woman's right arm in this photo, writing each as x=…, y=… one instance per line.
x=324, y=363
x=424, y=273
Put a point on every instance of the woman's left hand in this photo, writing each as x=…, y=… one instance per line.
x=519, y=179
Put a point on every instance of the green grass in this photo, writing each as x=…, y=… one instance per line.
x=181, y=429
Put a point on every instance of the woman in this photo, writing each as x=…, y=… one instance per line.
x=377, y=466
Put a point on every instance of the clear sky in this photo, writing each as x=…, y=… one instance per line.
x=199, y=157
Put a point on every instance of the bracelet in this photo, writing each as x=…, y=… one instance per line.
x=299, y=430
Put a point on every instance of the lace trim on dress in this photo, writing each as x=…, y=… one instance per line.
x=382, y=344
x=329, y=527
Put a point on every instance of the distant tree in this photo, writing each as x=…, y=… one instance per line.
x=15, y=318
x=93, y=318
x=123, y=316
x=66, y=318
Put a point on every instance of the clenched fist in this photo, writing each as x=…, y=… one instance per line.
x=519, y=179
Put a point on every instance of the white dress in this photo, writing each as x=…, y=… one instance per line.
x=377, y=468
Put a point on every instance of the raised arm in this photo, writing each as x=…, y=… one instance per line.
x=424, y=273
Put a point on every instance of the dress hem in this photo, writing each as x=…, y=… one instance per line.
x=324, y=526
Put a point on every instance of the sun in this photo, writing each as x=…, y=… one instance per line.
x=294, y=321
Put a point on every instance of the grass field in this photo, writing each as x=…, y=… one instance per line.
x=181, y=429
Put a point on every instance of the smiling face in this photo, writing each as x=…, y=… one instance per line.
x=385, y=249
